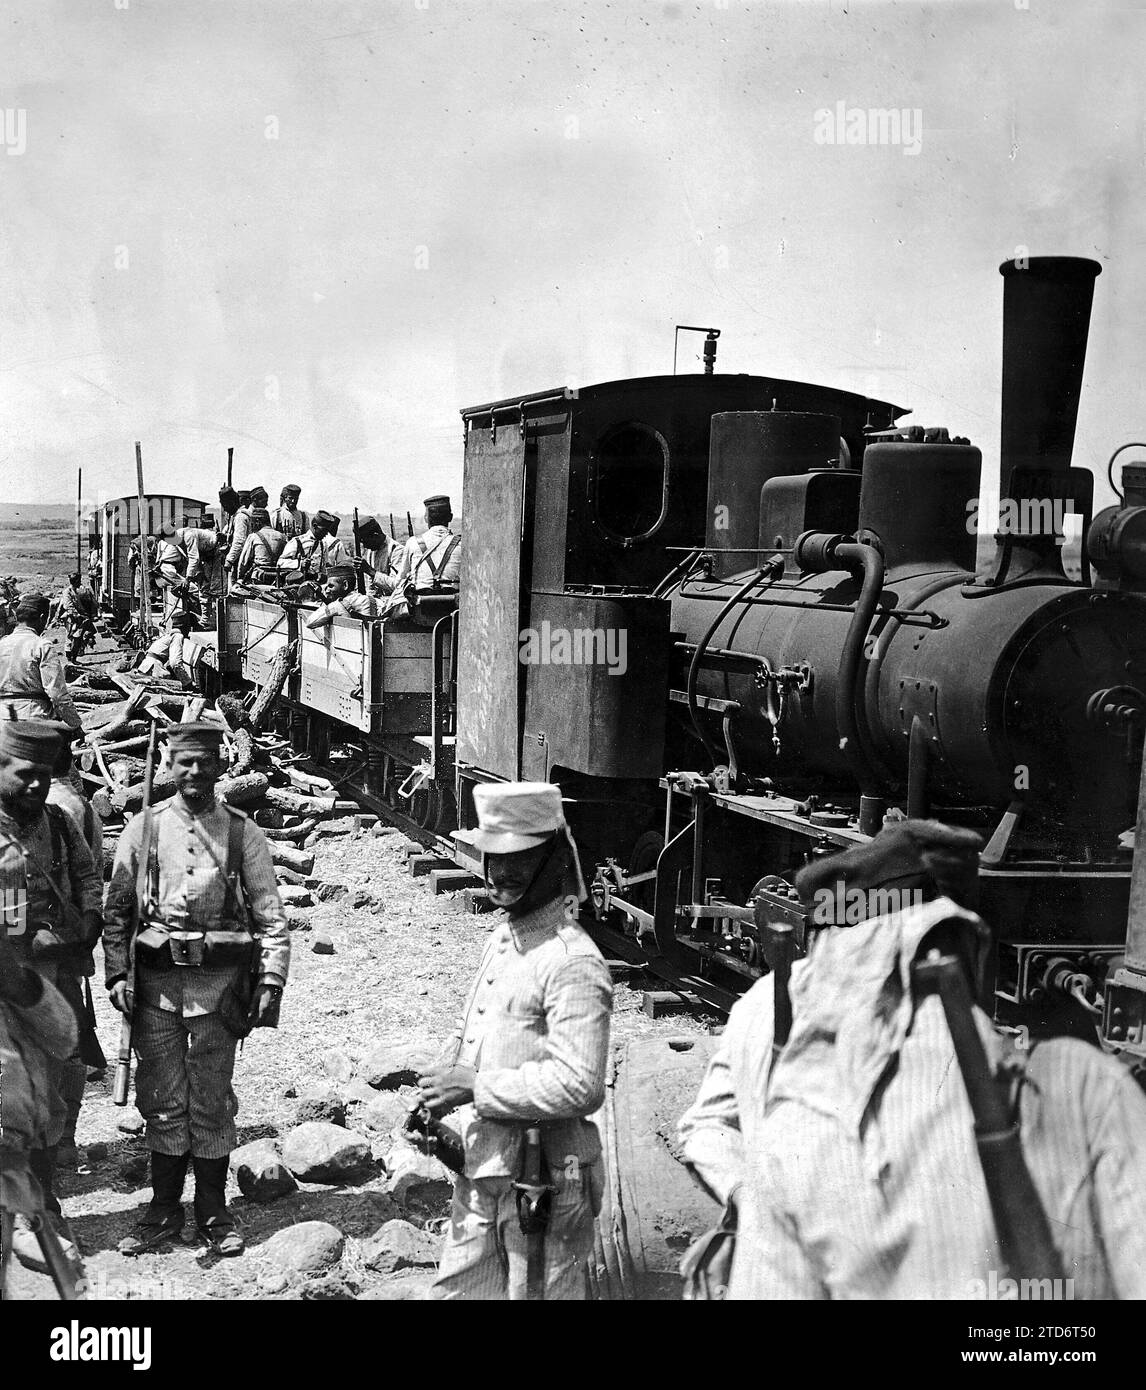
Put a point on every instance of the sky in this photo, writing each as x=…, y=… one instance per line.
x=315, y=231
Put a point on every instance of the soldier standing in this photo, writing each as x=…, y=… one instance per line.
x=527, y=1061
x=213, y=922
x=32, y=670
x=51, y=893
x=288, y=517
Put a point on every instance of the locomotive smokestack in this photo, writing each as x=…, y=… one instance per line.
x=1046, y=320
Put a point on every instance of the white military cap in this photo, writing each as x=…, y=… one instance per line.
x=513, y=816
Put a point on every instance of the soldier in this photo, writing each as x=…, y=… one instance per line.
x=311, y=555
x=849, y=1158
x=213, y=920
x=32, y=679
x=51, y=894
x=261, y=550
x=95, y=566
x=78, y=607
x=228, y=506
x=242, y=527
x=287, y=518
x=430, y=560
x=204, y=566
x=531, y=1050
x=381, y=558
x=37, y=1031
x=338, y=599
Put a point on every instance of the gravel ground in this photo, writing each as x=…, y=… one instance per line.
x=399, y=973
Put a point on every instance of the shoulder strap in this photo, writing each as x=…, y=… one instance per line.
x=428, y=559
x=89, y=823
x=56, y=831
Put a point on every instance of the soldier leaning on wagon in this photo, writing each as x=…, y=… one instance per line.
x=310, y=556
x=850, y=1156
x=204, y=574
x=339, y=600
x=51, y=892
x=32, y=669
x=287, y=517
x=261, y=550
x=530, y=1050
x=213, y=920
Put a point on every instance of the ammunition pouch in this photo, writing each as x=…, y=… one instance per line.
x=162, y=948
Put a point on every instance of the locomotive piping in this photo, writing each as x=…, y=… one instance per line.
x=847, y=685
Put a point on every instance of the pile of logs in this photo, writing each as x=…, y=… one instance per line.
x=287, y=803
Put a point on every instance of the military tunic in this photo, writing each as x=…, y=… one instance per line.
x=32, y=678
x=536, y=1029
x=186, y=1054
x=290, y=521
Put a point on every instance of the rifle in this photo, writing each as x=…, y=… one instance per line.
x=1024, y=1232
x=534, y=1199
x=393, y=537
x=410, y=525
x=359, y=577
x=142, y=870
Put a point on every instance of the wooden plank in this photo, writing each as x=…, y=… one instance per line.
x=659, y=1002
x=449, y=880
x=420, y=865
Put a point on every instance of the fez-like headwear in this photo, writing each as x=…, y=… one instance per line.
x=909, y=855
x=327, y=519
x=228, y=494
x=287, y=489
x=198, y=734
x=515, y=816
x=370, y=533
x=441, y=500
x=257, y=492
x=30, y=607
x=30, y=740
x=260, y=517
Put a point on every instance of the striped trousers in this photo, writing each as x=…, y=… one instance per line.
x=183, y=1082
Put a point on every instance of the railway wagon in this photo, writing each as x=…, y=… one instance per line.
x=117, y=525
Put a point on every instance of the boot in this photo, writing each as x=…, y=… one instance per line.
x=214, y=1222
x=163, y=1219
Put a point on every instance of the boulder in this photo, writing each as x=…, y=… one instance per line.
x=337, y=1065
x=405, y=1288
x=260, y=1172
x=330, y=892
x=322, y=944
x=309, y=1247
x=327, y=1287
x=400, y=1245
x=356, y=1092
x=384, y=1112
x=296, y=897
x=322, y=1103
x=133, y=1123
x=418, y=1183
x=388, y=1066
x=321, y=1152
x=297, y=920
x=289, y=876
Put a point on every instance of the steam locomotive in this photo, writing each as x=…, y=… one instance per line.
x=742, y=621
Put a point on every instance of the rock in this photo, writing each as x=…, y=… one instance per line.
x=290, y=877
x=321, y=1152
x=96, y=1153
x=272, y=1283
x=260, y=1172
x=384, y=1112
x=388, y=1066
x=419, y=1183
x=357, y=1092
x=399, y=1245
x=380, y=829
x=132, y=1124
x=297, y=920
x=290, y=1092
x=337, y=1065
x=135, y=1168
x=329, y=1286
x=343, y=826
x=406, y=1288
x=321, y=1103
x=330, y=892
x=309, y=843
x=322, y=945
x=296, y=897
x=309, y=1247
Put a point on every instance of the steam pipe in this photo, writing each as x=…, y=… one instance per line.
x=770, y=572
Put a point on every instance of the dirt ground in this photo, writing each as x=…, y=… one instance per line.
x=399, y=974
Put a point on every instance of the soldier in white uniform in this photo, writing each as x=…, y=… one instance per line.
x=530, y=1050
x=429, y=561
x=340, y=600
x=288, y=518
x=213, y=920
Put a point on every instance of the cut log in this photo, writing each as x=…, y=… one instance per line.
x=131, y=798
x=244, y=751
x=126, y=729
x=83, y=695
x=101, y=803
x=232, y=711
x=241, y=791
x=290, y=858
x=292, y=833
x=280, y=669
x=193, y=710
x=138, y=744
x=308, y=782
x=300, y=805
